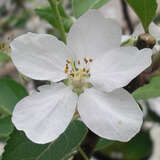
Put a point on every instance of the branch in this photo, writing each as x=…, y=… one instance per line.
x=88, y=146
x=126, y=15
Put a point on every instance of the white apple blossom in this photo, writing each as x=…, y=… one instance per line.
x=93, y=64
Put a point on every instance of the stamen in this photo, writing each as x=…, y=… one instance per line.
x=77, y=74
x=84, y=69
x=67, y=66
x=85, y=60
x=68, y=61
x=88, y=70
x=66, y=70
x=79, y=62
x=90, y=60
x=72, y=75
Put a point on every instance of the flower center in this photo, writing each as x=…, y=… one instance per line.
x=78, y=75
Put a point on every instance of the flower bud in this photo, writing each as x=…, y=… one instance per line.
x=145, y=40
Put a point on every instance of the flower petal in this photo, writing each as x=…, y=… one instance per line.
x=125, y=38
x=40, y=56
x=92, y=35
x=138, y=30
x=154, y=104
x=118, y=67
x=44, y=115
x=155, y=30
x=114, y=115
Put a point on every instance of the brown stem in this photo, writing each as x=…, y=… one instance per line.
x=88, y=146
x=126, y=15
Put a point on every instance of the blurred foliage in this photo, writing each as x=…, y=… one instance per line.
x=138, y=148
x=47, y=14
x=103, y=143
x=11, y=92
x=82, y=6
x=6, y=127
x=145, y=10
x=150, y=90
x=19, y=147
x=4, y=57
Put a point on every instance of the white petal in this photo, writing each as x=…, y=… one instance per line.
x=154, y=104
x=114, y=115
x=92, y=35
x=143, y=106
x=138, y=30
x=155, y=31
x=44, y=115
x=118, y=67
x=125, y=38
x=40, y=56
x=156, y=49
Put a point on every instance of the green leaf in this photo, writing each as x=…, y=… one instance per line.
x=103, y=143
x=6, y=127
x=145, y=10
x=21, y=20
x=139, y=147
x=82, y=6
x=10, y=93
x=4, y=57
x=100, y=3
x=21, y=148
x=147, y=91
x=47, y=14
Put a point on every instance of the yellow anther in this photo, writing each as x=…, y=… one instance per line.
x=90, y=60
x=77, y=74
x=88, y=70
x=80, y=70
x=72, y=75
x=68, y=61
x=66, y=70
x=67, y=66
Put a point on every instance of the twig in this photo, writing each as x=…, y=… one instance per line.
x=88, y=146
x=83, y=154
x=126, y=15
x=54, y=6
